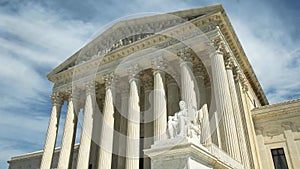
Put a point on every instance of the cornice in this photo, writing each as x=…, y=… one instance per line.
x=295, y=101
x=36, y=154
x=275, y=110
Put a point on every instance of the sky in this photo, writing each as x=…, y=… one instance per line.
x=36, y=36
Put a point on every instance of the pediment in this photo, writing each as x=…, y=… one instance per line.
x=128, y=31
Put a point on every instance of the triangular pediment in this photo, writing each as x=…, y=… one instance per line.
x=129, y=30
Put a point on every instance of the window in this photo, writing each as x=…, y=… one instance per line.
x=279, y=158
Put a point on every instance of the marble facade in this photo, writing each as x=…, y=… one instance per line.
x=130, y=79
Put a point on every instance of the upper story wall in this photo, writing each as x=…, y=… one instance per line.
x=278, y=126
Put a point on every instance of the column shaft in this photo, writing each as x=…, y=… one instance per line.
x=224, y=106
x=51, y=133
x=86, y=132
x=188, y=93
x=133, y=129
x=159, y=106
x=201, y=93
x=67, y=144
x=238, y=120
x=107, y=133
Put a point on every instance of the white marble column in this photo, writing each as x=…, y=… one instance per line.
x=159, y=101
x=67, y=143
x=133, y=128
x=188, y=93
x=237, y=114
x=123, y=129
x=87, y=128
x=227, y=127
x=51, y=135
x=107, y=133
x=200, y=92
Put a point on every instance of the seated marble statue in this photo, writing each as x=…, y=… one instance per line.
x=184, y=123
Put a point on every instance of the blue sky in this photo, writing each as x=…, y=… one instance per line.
x=36, y=36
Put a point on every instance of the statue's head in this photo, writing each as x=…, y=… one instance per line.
x=182, y=105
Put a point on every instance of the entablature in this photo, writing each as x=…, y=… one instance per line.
x=108, y=46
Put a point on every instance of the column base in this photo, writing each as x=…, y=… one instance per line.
x=186, y=153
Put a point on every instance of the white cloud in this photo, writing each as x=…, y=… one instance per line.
x=270, y=49
x=50, y=37
x=33, y=41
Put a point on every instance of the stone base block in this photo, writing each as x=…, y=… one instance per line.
x=183, y=153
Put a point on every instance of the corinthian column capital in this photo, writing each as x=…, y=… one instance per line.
x=57, y=99
x=133, y=72
x=90, y=88
x=108, y=79
x=218, y=45
x=159, y=64
x=185, y=54
x=229, y=61
x=74, y=97
x=240, y=77
x=237, y=73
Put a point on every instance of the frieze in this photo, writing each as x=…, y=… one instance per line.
x=275, y=128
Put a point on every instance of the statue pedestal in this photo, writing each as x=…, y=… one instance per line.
x=187, y=153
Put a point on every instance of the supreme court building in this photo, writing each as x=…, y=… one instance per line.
x=167, y=91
